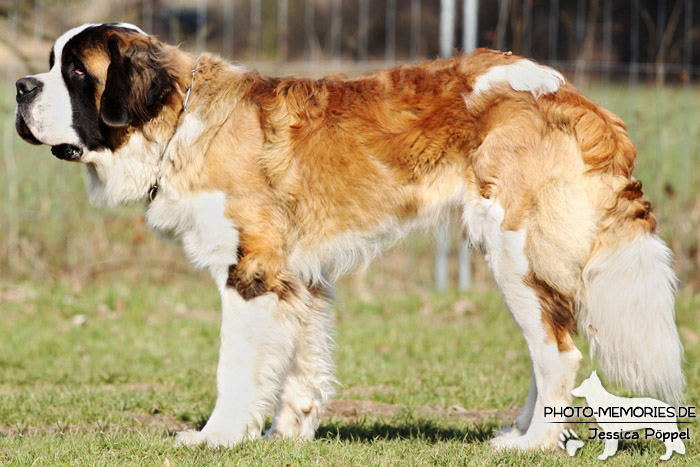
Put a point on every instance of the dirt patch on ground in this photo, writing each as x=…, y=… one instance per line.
x=344, y=410
x=352, y=410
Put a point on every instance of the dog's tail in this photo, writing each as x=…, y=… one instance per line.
x=627, y=312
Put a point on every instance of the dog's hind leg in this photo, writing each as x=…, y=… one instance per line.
x=555, y=360
x=609, y=450
x=310, y=380
x=672, y=446
x=522, y=422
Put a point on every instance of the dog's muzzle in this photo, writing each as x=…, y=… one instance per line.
x=27, y=90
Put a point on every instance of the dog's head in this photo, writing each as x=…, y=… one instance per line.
x=105, y=83
x=587, y=386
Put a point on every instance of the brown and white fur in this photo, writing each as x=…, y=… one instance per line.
x=278, y=185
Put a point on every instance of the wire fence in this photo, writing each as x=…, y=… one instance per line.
x=630, y=43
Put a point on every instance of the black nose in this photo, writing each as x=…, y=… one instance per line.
x=27, y=88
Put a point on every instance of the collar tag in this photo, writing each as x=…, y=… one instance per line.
x=153, y=191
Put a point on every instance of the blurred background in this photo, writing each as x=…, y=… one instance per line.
x=639, y=58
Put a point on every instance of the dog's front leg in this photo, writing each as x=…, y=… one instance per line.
x=310, y=379
x=257, y=343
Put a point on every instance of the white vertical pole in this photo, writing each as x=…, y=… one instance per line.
x=447, y=27
x=442, y=252
x=442, y=237
x=464, y=265
x=470, y=33
x=470, y=36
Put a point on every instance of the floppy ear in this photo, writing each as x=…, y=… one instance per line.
x=114, y=109
x=138, y=81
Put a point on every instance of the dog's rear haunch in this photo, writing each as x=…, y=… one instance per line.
x=278, y=185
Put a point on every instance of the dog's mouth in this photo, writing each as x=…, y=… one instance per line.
x=67, y=152
x=24, y=132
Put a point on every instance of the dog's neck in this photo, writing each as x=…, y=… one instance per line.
x=153, y=190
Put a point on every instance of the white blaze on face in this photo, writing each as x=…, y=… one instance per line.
x=50, y=118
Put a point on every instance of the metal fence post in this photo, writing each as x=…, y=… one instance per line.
x=447, y=27
x=442, y=237
x=470, y=31
x=470, y=37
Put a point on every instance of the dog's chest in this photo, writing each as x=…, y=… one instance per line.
x=198, y=223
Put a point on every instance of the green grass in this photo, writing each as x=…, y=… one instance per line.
x=142, y=365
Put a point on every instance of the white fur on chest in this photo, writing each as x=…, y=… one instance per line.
x=198, y=223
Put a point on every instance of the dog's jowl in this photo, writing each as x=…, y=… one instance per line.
x=277, y=186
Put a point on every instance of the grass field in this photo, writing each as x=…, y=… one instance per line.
x=106, y=375
x=109, y=340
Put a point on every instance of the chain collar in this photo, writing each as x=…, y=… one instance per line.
x=153, y=190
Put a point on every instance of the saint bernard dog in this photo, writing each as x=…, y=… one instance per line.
x=277, y=186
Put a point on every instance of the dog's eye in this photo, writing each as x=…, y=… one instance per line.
x=78, y=69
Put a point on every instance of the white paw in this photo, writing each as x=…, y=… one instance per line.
x=211, y=439
x=510, y=438
x=518, y=443
x=568, y=441
x=533, y=439
x=504, y=436
x=296, y=421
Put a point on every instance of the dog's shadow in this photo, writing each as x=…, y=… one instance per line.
x=364, y=430
x=420, y=429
